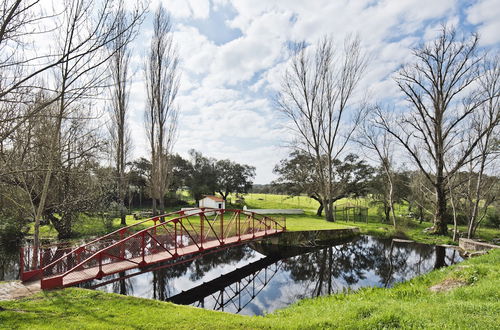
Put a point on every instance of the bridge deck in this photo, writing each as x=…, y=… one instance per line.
x=84, y=275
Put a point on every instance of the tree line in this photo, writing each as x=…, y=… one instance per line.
x=64, y=98
x=198, y=175
x=65, y=143
x=446, y=131
x=358, y=179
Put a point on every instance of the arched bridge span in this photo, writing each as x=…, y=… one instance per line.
x=161, y=238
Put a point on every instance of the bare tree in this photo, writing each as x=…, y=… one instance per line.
x=162, y=82
x=86, y=30
x=120, y=91
x=440, y=87
x=482, y=182
x=72, y=182
x=20, y=65
x=381, y=144
x=27, y=55
x=316, y=95
x=419, y=195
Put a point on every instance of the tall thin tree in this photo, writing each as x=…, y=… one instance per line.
x=120, y=91
x=381, y=144
x=162, y=83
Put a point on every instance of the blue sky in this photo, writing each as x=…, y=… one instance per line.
x=233, y=53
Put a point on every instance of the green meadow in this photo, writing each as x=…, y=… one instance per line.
x=407, y=227
x=473, y=304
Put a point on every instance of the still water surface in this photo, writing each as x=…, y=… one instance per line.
x=242, y=280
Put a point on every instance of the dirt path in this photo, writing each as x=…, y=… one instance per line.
x=16, y=289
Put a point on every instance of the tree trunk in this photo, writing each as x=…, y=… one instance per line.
x=162, y=205
x=387, y=212
x=454, y=210
x=154, y=206
x=391, y=201
x=224, y=196
x=441, y=216
x=328, y=211
x=63, y=226
x=319, y=212
x=123, y=216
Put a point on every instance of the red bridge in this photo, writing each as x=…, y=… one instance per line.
x=161, y=238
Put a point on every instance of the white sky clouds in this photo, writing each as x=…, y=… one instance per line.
x=225, y=107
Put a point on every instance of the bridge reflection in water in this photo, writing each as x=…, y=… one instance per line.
x=234, y=290
x=242, y=280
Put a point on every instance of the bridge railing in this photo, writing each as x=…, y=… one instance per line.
x=188, y=233
x=34, y=262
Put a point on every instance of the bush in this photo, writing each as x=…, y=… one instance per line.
x=493, y=219
x=12, y=230
x=174, y=200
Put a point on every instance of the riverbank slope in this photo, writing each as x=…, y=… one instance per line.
x=462, y=296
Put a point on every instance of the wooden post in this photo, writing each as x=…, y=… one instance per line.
x=180, y=234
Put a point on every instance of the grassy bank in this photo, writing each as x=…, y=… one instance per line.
x=474, y=305
x=407, y=228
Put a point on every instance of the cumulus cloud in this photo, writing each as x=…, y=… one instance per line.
x=197, y=9
x=486, y=15
x=225, y=111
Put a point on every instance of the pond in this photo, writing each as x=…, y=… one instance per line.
x=241, y=280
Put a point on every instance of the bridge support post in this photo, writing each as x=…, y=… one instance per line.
x=239, y=226
x=77, y=252
x=143, y=249
x=202, y=216
x=100, y=273
x=222, y=227
x=253, y=225
x=176, y=238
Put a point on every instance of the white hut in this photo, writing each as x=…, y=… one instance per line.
x=212, y=201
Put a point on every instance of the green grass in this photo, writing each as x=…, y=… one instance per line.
x=408, y=305
x=407, y=228
x=88, y=226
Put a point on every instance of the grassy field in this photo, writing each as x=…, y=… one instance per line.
x=407, y=228
x=474, y=305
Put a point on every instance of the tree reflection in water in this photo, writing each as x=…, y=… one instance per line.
x=365, y=261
